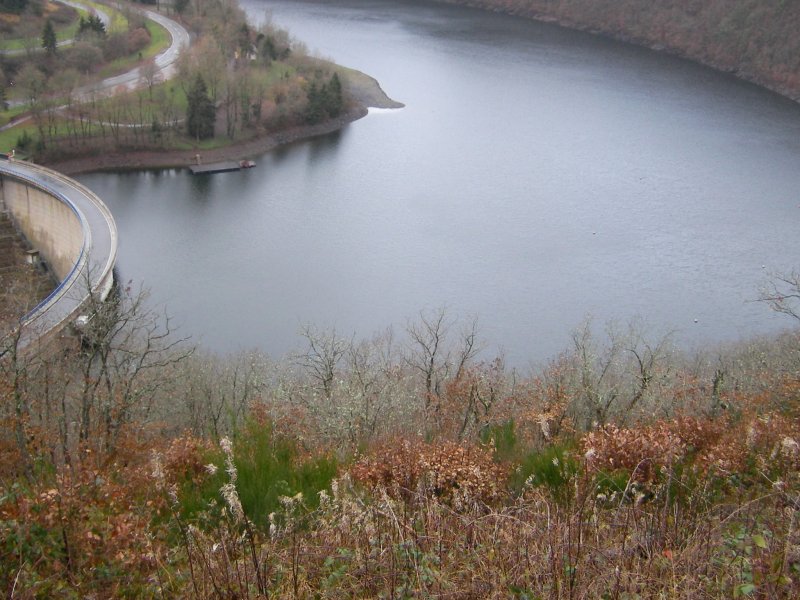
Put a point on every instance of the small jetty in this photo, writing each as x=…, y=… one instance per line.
x=220, y=167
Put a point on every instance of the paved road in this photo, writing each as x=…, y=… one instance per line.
x=93, y=269
x=166, y=64
x=99, y=12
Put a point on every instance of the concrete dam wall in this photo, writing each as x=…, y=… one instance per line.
x=74, y=233
x=53, y=227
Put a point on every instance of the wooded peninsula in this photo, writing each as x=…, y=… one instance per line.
x=237, y=90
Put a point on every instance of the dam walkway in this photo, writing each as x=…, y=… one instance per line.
x=75, y=234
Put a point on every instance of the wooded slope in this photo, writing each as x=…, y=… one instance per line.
x=759, y=40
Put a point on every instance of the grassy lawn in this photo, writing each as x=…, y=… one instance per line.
x=209, y=144
x=118, y=20
x=159, y=41
x=63, y=32
x=145, y=102
x=8, y=138
x=11, y=114
x=266, y=77
x=276, y=72
x=150, y=106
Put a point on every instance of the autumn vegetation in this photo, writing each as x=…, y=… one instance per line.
x=407, y=464
x=755, y=39
x=236, y=82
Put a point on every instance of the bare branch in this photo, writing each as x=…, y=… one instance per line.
x=782, y=294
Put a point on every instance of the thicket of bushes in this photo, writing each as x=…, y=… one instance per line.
x=132, y=465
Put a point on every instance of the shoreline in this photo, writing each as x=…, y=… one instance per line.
x=364, y=91
x=767, y=77
x=756, y=79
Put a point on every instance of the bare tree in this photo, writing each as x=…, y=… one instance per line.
x=615, y=379
x=31, y=41
x=13, y=399
x=782, y=294
x=21, y=359
x=218, y=392
x=431, y=354
x=150, y=74
x=124, y=342
x=321, y=358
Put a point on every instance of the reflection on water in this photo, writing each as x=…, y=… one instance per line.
x=536, y=176
x=201, y=187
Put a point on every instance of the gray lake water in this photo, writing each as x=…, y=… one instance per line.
x=536, y=176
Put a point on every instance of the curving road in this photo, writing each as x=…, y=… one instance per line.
x=165, y=61
x=80, y=5
x=92, y=272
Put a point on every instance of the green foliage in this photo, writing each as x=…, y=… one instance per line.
x=26, y=542
x=272, y=47
x=553, y=468
x=271, y=467
x=24, y=141
x=740, y=554
x=502, y=438
x=49, y=37
x=181, y=6
x=200, y=111
x=13, y=6
x=268, y=467
x=93, y=25
x=324, y=100
x=613, y=483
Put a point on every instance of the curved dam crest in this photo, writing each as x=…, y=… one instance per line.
x=75, y=234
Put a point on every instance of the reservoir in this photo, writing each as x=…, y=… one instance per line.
x=536, y=177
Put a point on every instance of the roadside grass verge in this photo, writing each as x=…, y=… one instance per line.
x=9, y=137
x=11, y=114
x=159, y=41
x=63, y=32
x=119, y=22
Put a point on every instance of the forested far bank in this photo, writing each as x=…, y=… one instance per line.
x=755, y=39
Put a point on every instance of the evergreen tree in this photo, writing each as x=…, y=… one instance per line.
x=49, y=37
x=335, y=100
x=315, y=111
x=180, y=6
x=324, y=101
x=200, y=113
x=13, y=6
x=94, y=24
